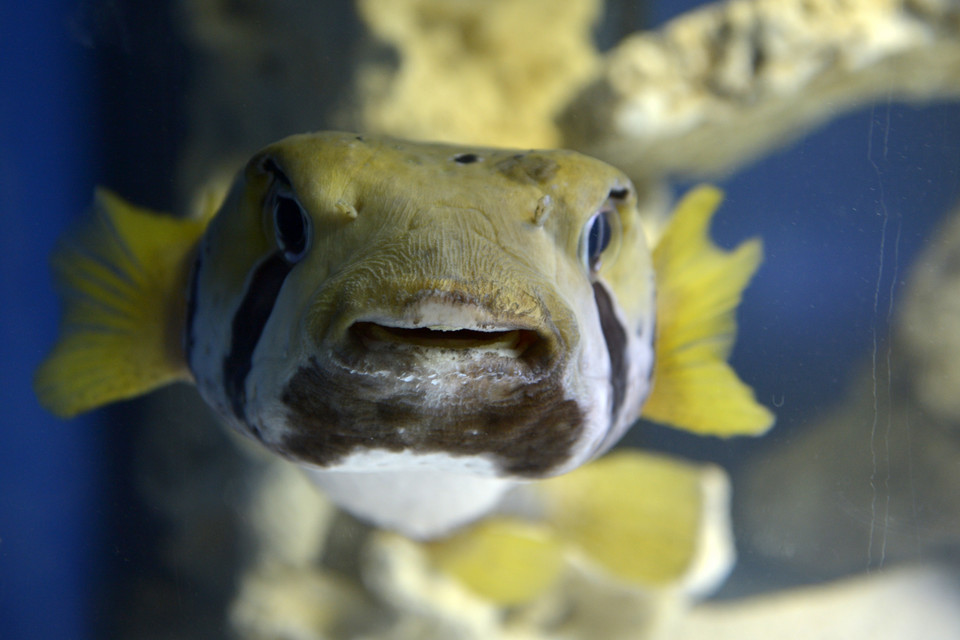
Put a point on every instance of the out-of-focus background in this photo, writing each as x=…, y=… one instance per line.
x=96, y=93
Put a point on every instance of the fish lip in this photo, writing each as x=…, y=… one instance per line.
x=506, y=351
x=507, y=341
x=444, y=332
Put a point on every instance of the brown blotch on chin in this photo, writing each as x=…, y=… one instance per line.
x=530, y=429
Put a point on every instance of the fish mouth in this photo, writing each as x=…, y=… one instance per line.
x=439, y=335
x=509, y=342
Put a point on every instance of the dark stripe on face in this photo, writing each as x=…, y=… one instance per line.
x=248, y=324
x=616, y=339
x=188, y=339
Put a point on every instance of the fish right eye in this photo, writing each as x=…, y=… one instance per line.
x=291, y=226
x=599, y=233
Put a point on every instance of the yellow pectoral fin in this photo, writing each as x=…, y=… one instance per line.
x=647, y=519
x=122, y=276
x=505, y=560
x=699, y=286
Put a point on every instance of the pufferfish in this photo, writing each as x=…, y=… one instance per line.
x=420, y=326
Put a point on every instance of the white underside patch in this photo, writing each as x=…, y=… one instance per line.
x=420, y=495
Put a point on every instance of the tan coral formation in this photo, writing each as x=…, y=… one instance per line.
x=927, y=333
x=491, y=73
x=917, y=602
x=726, y=83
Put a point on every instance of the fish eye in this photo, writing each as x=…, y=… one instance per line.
x=291, y=226
x=597, y=236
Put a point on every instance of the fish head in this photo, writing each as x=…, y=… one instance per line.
x=362, y=303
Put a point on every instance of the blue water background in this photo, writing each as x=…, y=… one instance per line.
x=868, y=188
x=50, y=483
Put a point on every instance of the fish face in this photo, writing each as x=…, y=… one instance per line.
x=439, y=363
x=366, y=304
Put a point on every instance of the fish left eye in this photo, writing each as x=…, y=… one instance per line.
x=597, y=235
x=291, y=226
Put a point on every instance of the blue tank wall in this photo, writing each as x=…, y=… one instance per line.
x=49, y=481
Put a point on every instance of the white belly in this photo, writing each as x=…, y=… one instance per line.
x=422, y=502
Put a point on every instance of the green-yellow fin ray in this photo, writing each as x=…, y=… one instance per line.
x=699, y=286
x=505, y=560
x=647, y=519
x=122, y=276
